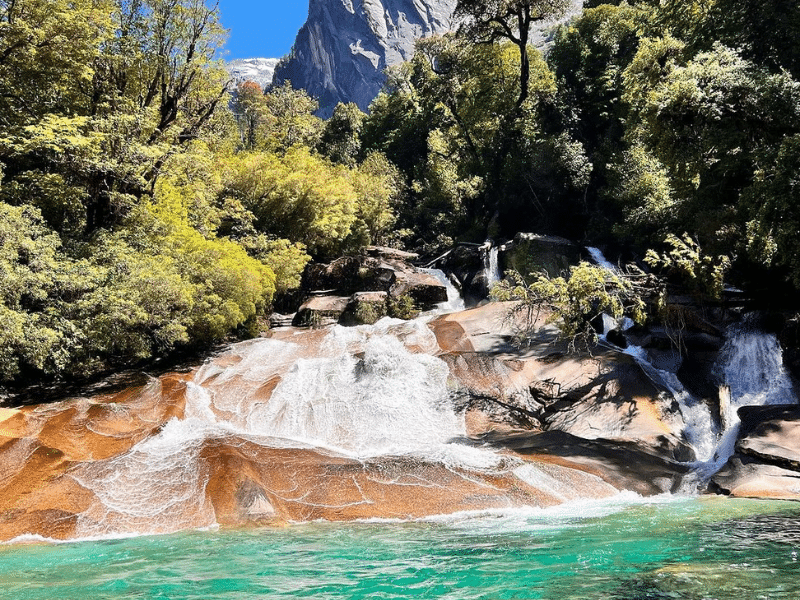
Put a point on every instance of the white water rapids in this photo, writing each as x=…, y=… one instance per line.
x=361, y=393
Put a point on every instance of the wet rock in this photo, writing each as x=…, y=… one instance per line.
x=424, y=288
x=604, y=396
x=744, y=477
x=466, y=262
x=494, y=394
x=279, y=320
x=320, y=311
x=622, y=465
x=380, y=270
x=767, y=459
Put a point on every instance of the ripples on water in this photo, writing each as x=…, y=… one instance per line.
x=630, y=549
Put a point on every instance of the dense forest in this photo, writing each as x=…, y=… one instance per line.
x=148, y=206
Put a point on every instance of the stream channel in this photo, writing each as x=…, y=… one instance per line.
x=371, y=392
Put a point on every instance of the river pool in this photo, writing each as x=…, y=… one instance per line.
x=625, y=548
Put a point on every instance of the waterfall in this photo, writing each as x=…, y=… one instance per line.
x=360, y=393
x=454, y=302
x=750, y=369
x=385, y=400
x=597, y=257
x=491, y=266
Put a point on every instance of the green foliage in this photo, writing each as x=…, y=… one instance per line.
x=277, y=120
x=686, y=261
x=765, y=32
x=402, y=307
x=773, y=202
x=572, y=302
x=341, y=137
x=489, y=21
x=32, y=271
x=451, y=124
x=378, y=186
x=299, y=196
x=286, y=259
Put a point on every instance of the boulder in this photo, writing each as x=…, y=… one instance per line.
x=379, y=270
x=319, y=311
x=744, y=477
x=624, y=465
x=424, y=288
x=604, y=396
x=365, y=308
x=767, y=459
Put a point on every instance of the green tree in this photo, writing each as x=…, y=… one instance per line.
x=299, y=196
x=572, y=302
x=134, y=84
x=341, y=137
x=705, y=121
x=489, y=21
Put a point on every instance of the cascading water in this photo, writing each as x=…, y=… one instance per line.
x=365, y=393
x=491, y=266
x=454, y=300
x=600, y=259
x=750, y=369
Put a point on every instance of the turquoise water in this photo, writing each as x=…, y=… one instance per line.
x=699, y=548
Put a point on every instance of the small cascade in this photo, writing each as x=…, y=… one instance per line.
x=384, y=400
x=491, y=266
x=750, y=367
x=600, y=259
x=454, y=302
x=359, y=393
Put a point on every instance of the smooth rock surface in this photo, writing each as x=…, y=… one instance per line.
x=403, y=419
x=767, y=459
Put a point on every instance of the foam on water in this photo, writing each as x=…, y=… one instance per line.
x=491, y=267
x=597, y=257
x=390, y=401
x=750, y=364
x=362, y=392
x=454, y=301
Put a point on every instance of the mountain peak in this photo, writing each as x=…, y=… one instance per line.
x=342, y=51
x=258, y=70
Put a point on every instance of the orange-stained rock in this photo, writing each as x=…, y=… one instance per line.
x=744, y=477
x=767, y=459
x=183, y=452
x=250, y=483
x=626, y=466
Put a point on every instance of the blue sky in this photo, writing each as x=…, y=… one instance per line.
x=261, y=28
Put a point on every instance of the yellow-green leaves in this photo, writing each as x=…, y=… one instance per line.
x=573, y=301
x=685, y=259
x=299, y=196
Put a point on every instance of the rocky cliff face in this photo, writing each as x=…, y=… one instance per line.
x=343, y=49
